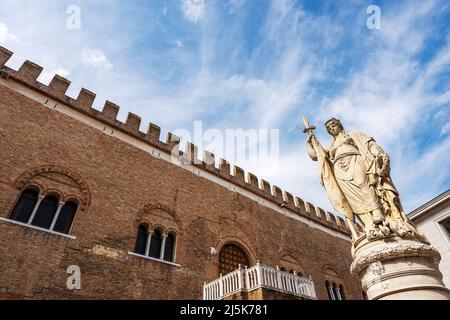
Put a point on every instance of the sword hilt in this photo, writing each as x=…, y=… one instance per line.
x=309, y=129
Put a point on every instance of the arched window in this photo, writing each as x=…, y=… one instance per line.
x=231, y=256
x=291, y=264
x=169, y=246
x=330, y=290
x=46, y=212
x=335, y=292
x=65, y=217
x=334, y=284
x=155, y=244
x=45, y=204
x=141, y=240
x=25, y=205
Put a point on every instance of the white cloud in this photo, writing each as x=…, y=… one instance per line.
x=392, y=91
x=96, y=58
x=420, y=176
x=269, y=86
x=46, y=76
x=179, y=43
x=233, y=5
x=5, y=35
x=193, y=10
x=442, y=99
x=445, y=128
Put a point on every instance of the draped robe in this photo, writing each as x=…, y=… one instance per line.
x=346, y=181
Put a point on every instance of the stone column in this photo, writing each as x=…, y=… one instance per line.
x=55, y=218
x=35, y=209
x=398, y=269
x=163, y=246
x=148, y=243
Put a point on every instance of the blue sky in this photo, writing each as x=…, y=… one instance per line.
x=260, y=64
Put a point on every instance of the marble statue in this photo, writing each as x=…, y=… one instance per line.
x=355, y=172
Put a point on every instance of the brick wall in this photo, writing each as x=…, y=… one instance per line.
x=119, y=185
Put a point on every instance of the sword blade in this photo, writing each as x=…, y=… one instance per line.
x=306, y=122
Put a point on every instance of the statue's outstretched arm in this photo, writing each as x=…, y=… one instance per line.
x=311, y=151
x=313, y=146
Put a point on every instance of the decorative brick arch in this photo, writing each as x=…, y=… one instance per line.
x=144, y=215
x=240, y=242
x=156, y=216
x=290, y=262
x=234, y=241
x=331, y=276
x=330, y=272
x=24, y=179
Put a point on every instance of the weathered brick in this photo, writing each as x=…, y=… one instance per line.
x=119, y=185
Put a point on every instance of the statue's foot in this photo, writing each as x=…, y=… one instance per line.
x=385, y=230
x=372, y=234
x=399, y=229
x=378, y=221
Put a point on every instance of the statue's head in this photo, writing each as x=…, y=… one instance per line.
x=334, y=126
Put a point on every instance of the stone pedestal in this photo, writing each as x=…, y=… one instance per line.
x=398, y=269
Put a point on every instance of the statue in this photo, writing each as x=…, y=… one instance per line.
x=355, y=172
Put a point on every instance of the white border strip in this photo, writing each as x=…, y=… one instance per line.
x=37, y=228
x=154, y=259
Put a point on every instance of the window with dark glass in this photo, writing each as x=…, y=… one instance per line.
x=169, y=246
x=341, y=292
x=446, y=225
x=141, y=240
x=329, y=290
x=335, y=292
x=155, y=244
x=46, y=212
x=153, y=247
x=24, y=206
x=65, y=217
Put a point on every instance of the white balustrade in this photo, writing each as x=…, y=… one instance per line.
x=259, y=276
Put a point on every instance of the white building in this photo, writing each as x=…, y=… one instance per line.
x=433, y=219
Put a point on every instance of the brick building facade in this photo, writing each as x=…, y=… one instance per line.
x=109, y=186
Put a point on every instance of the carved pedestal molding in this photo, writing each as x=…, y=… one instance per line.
x=398, y=269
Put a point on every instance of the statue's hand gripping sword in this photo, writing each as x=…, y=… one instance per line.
x=308, y=128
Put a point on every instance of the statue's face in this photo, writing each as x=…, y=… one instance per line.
x=333, y=128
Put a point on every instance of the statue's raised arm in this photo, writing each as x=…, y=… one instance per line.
x=309, y=141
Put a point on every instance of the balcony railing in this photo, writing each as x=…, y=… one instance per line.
x=259, y=276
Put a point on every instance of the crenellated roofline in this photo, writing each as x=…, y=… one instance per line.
x=29, y=72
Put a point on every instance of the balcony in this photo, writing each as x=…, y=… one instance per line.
x=259, y=282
